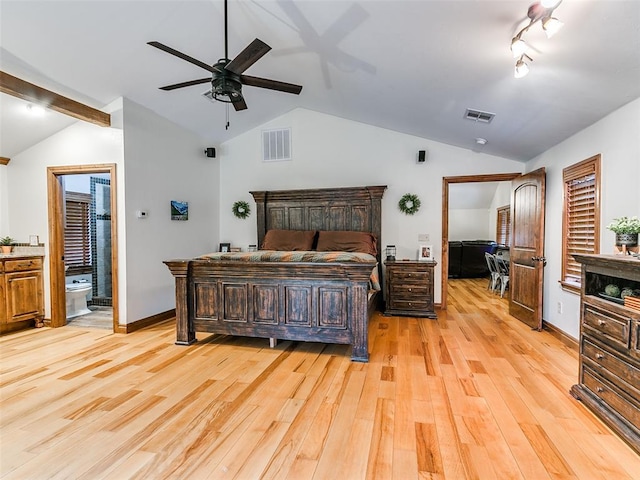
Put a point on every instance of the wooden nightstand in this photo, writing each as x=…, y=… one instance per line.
x=409, y=288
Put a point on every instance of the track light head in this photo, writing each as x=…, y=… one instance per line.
x=518, y=47
x=551, y=26
x=522, y=69
x=538, y=11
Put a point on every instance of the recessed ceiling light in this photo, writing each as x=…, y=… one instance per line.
x=481, y=141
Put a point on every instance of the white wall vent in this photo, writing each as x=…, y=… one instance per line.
x=479, y=116
x=276, y=145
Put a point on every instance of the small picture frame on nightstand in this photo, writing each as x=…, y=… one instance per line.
x=225, y=247
x=425, y=252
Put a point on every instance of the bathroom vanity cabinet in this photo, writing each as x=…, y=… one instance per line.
x=21, y=290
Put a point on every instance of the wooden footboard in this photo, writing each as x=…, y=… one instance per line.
x=315, y=302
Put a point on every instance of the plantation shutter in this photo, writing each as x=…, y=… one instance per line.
x=503, y=228
x=581, y=220
x=77, y=238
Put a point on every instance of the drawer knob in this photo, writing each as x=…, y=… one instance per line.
x=599, y=356
x=599, y=389
x=411, y=290
x=601, y=322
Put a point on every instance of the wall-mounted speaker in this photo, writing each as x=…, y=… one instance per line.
x=210, y=152
x=422, y=156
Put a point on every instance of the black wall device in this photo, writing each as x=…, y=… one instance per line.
x=422, y=156
x=210, y=152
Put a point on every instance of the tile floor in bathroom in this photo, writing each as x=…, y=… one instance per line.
x=100, y=317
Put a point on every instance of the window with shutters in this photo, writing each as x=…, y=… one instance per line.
x=503, y=227
x=581, y=217
x=77, y=234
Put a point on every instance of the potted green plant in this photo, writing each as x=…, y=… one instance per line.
x=6, y=244
x=626, y=230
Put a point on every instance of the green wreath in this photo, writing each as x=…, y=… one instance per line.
x=409, y=204
x=241, y=209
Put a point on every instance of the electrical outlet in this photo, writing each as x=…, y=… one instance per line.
x=559, y=307
x=423, y=237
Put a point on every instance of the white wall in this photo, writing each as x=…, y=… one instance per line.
x=78, y=144
x=332, y=152
x=617, y=138
x=163, y=162
x=470, y=224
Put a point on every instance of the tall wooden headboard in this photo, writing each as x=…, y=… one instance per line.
x=347, y=208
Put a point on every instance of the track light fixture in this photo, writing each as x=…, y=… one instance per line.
x=539, y=11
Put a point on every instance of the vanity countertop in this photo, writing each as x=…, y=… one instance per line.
x=21, y=251
x=20, y=255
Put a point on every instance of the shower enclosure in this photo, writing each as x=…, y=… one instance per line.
x=101, y=240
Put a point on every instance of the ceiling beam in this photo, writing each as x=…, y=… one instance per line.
x=32, y=93
x=4, y=161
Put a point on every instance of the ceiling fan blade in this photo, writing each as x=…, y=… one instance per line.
x=183, y=56
x=241, y=105
x=270, y=84
x=186, y=84
x=250, y=55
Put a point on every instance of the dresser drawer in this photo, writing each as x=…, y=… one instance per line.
x=610, y=327
x=635, y=340
x=609, y=364
x=22, y=264
x=613, y=397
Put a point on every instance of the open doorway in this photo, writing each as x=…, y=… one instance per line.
x=93, y=261
x=446, y=182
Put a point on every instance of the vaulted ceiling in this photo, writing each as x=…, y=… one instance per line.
x=409, y=66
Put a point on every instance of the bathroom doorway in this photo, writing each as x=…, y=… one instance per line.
x=83, y=256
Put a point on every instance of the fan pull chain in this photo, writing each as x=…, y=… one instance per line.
x=226, y=127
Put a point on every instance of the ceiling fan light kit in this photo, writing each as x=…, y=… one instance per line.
x=538, y=12
x=227, y=76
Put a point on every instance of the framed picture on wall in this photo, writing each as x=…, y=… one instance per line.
x=225, y=247
x=179, y=210
x=425, y=252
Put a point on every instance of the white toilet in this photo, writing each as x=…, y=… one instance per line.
x=76, y=294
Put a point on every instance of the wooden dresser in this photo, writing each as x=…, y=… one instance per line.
x=21, y=291
x=609, y=373
x=409, y=288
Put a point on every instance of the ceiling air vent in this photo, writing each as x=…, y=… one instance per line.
x=478, y=116
x=276, y=145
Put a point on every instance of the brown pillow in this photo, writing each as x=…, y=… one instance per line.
x=346, y=242
x=289, y=240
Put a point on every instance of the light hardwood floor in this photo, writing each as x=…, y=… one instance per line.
x=473, y=395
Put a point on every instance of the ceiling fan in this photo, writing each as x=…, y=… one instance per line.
x=227, y=75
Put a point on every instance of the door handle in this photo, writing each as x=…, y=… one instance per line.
x=540, y=259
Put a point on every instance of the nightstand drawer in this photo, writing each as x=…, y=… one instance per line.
x=409, y=291
x=410, y=305
x=402, y=277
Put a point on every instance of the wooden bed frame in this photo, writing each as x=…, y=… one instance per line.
x=317, y=302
